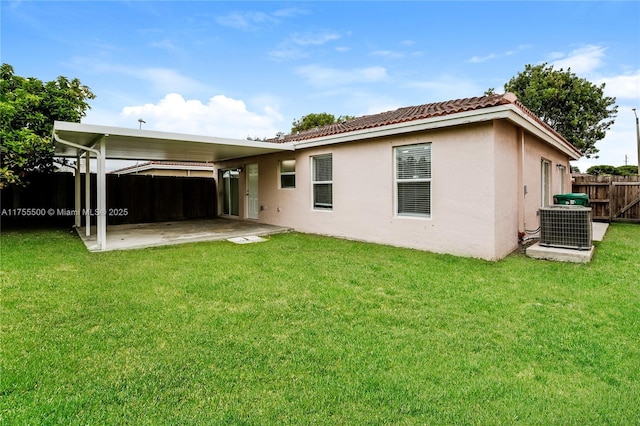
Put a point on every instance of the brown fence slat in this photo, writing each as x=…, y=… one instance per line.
x=611, y=197
x=130, y=199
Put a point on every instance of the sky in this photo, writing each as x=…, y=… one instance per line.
x=249, y=69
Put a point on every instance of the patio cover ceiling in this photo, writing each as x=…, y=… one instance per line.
x=134, y=144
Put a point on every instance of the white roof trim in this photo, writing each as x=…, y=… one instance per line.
x=135, y=144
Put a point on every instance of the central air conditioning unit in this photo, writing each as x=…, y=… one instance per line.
x=566, y=226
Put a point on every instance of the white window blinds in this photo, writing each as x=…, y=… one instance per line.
x=322, y=180
x=413, y=180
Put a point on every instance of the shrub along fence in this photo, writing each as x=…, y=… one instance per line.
x=612, y=198
x=49, y=199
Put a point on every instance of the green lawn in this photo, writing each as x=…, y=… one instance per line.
x=305, y=329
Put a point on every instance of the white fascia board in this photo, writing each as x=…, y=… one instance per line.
x=154, y=134
x=509, y=112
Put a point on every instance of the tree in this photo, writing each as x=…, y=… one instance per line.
x=602, y=169
x=605, y=169
x=28, y=108
x=573, y=106
x=627, y=170
x=311, y=121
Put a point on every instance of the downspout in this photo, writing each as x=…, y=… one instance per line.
x=523, y=194
x=75, y=145
x=529, y=234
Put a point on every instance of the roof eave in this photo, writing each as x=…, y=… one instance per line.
x=507, y=111
x=449, y=120
x=520, y=118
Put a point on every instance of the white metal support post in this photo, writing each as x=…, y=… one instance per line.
x=87, y=193
x=101, y=195
x=78, y=193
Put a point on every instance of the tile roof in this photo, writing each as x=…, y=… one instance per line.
x=410, y=113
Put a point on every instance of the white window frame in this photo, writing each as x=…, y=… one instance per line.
x=397, y=181
x=281, y=173
x=315, y=182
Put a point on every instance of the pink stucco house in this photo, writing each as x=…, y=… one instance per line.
x=464, y=177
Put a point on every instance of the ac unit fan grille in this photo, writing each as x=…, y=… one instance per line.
x=566, y=227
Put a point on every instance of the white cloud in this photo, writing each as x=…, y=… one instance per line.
x=318, y=38
x=168, y=80
x=290, y=12
x=164, y=44
x=446, y=87
x=288, y=52
x=622, y=86
x=221, y=116
x=581, y=61
x=478, y=59
x=491, y=56
x=619, y=142
x=291, y=47
x=324, y=76
x=250, y=21
x=245, y=21
x=388, y=53
x=162, y=80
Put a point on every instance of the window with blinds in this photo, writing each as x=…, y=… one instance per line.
x=288, y=174
x=413, y=180
x=322, y=181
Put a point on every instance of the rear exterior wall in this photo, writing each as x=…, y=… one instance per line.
x=485, y=189
x=474, y=204
x=535, y=153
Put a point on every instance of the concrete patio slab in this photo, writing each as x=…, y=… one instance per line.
x=598, y=231
x=559, y=254
x=142, y=235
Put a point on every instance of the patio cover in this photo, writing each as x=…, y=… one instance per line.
x=117, y=143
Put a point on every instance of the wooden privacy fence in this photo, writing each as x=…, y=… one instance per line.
x=611, y=197
x=50, y=199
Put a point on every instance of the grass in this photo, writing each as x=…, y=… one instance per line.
x=305, y=329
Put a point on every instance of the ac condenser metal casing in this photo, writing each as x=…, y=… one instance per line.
x=566, y=226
